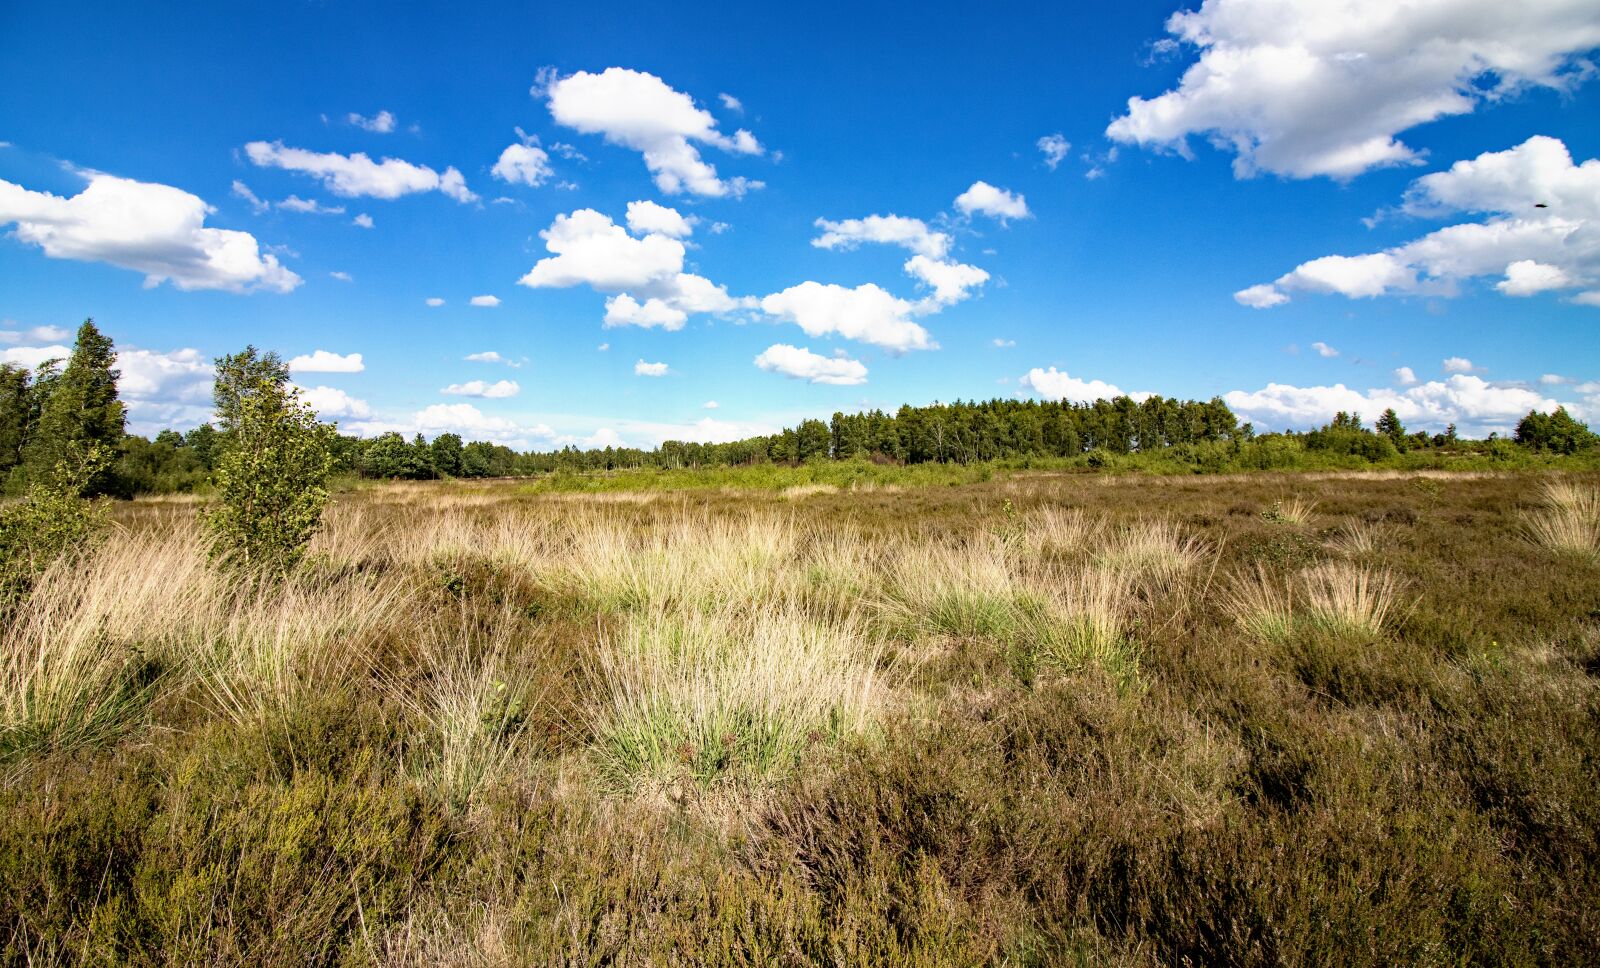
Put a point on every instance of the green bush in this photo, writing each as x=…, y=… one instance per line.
x=50, y=521
x=272, y=480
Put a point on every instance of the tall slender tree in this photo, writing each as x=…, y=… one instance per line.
x=79, y=411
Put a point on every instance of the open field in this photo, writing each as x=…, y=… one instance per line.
x=1037, y=719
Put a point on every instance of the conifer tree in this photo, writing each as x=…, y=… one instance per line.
x=78, y=412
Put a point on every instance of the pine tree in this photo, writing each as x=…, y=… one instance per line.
x=78, y=411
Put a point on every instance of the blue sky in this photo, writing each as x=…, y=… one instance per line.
x=1314, y=206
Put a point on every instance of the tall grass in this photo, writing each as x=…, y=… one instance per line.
x=1569, y=520
x=742, y=692
x=1341, y=597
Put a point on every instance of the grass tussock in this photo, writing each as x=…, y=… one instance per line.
x=1569, y=520
x=1295, y=512
x=1340, y=597
x=740, y=694
x=1159, y=551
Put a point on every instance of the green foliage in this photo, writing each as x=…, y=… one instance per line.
x=272, y=478
x=51, y=520
x=1556, y=432
x=77, y=411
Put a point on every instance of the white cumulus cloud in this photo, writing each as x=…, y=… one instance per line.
x=1323, y=87
x=640, y=111
x=478, y=388
x=1053, y=384
x=323, y=361
x=802, y=364
x=994, y=202
x=1405, y=376
x=641, y=368
x=1457, y=364
x=588, y=248
x=36, y=334
x=1324, y=350
x=1473, y=404
x=486, y=302
x=646, y=217
x=331, y=402
x=357, y=175
x=1532, y=248
x=908, y=233
x=866, y=313
x=523, y=164
x=146, y=227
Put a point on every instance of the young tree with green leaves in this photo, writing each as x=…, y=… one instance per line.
x=241, y=374
x=272, y=475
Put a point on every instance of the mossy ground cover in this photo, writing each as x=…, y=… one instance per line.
x=1033, y=719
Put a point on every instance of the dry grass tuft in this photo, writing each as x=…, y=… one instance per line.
x=742, y=693
x=473, y=699
x=1157, y=551
x=1569, y=521
x=801, y=491
x=1296, y=511
x=1359, y=539
x=1341, y=597
x=1262, y=605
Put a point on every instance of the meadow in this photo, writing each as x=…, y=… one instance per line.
x=1019, y=718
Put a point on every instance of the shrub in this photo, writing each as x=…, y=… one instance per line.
x=272, y=480
x=48, y=523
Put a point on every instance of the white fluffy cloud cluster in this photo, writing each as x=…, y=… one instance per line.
x=643, y=271
x=1053, y=384
x=357, y=175
x=479, y=388
x=324, y=361
x=332, y=403
x=866, y=313
x=1533, y=249
x=150, y=228
x=640, y=111
x=523, y=164
x=908, y=233
x=802, y=364
x=1322, y=87
x=1473, y=404
x=984, y=198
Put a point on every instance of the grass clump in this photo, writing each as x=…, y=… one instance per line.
x=1569, y=520
x=1158, y=551
x=740, y=695
x=1340, y=597
x=1296, y=511
x=1262, y=605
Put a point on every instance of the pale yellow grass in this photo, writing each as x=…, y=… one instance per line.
x=1344, y=597
x=690, y=561
x=1158, y=550
x=1569, y=521
x=1262, y=604
x=743, y=690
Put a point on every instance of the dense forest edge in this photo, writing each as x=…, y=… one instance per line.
x=62, y=407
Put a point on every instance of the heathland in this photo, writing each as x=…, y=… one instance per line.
x=1031, y=718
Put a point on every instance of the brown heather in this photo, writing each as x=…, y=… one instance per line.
x=1044, y=719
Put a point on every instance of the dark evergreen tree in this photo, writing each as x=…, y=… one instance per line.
x=79, y=414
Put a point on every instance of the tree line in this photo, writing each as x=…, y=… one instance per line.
x=53, y=415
